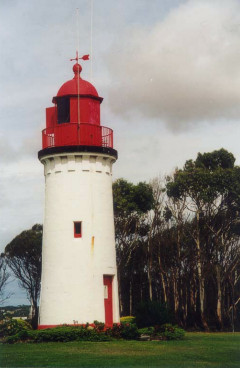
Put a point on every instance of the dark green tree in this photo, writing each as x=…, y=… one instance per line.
x=24, y=257
x=131, y=204
x=212, y=188
x=129, y=198
x=4, y=276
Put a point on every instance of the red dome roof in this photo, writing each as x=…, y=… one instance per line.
x=71, y=86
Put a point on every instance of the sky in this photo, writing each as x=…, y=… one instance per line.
x=169, y=72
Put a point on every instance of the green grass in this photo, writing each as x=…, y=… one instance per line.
x=196, y=350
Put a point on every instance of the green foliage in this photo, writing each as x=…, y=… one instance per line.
x=28, y=244
x=65, y=334
x=128, y=319
x=25, y=335
x=210, y=175
x=12, y=339
x=169, y=332
x=115, y=331
x=60, y=334
x=24, y=257
x=99, y=325
x=152, y=313
x=146, y=330
x=125, y=331
x=10, y=327
x=128, y=198
x=164, y=332
x=128, y=331
x=75, y=333
x=216, y=159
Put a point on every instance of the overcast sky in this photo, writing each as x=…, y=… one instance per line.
x=169, y=72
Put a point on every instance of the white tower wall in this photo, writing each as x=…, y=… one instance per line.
x=78, y=187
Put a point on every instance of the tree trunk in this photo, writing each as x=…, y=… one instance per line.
x=164, y=288
x=219, y=295
x=175, y=295
x=201, y=281
x=120, y=295
x=130, y=299
x=141, y=293
x=149, y=273
x=162, y=279
x=34, y=321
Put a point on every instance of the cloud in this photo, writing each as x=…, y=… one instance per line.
x=183, y=70
x=12, y=152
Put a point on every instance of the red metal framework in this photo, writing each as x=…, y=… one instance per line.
x=73, y=134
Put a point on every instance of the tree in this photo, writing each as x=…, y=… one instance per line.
x=211, y=186
x=24, y=255
x=155, y=223
x=4, y=276
x=131, y=203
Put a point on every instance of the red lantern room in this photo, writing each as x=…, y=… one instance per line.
x=74, y=120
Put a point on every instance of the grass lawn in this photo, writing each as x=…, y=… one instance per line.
x=196, y=350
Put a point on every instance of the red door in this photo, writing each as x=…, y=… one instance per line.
x=107, y=282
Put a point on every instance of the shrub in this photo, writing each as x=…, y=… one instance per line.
x=115, y=331
x=170, y=332
x=99, y=325
x=126, y=331
x=152, y=313
x=25, y=335
x=10, y=327
x=65, y=334
x=20, y=336
x=59, y=334
x=77, y=333
x=128, y=319
x=11, y=339
x=130, y=331
x=146, y=331
x=163, y=332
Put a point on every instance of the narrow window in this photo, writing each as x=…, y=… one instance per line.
x=105, y=292
x=77, y=229
x=63, y=110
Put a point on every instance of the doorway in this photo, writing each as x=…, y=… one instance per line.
x=108, y=304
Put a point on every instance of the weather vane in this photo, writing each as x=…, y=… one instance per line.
x=84, y=57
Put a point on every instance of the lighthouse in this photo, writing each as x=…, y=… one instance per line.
x=79, y=274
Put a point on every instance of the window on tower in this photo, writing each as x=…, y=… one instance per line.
x=77, y=229
x=63, y=110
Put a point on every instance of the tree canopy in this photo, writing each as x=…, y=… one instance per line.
x=4, y=276
x=129, y=198
x=24, y=256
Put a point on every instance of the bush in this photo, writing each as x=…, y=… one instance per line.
x=59, y=334
x=126, y=331
x=65, y=334
x=20, y=336
x=11, y=339
x=163, y=332
x=99, y=325
x=128, y=319
x=130, y=331
x=152, y=313
x=169, y=332
x=10, y=327
x=146, y=331
x=76, y=333
x=115, y=331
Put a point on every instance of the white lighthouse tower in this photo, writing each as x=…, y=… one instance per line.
x=79, y=275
